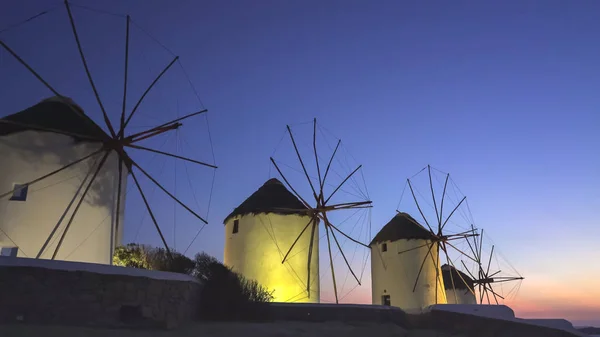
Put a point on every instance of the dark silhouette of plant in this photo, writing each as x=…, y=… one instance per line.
x=177, y=263
x=227, y=295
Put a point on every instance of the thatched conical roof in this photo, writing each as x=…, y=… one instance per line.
x=271, y=197
x=458, y=277
x=55, y=113
x=402, y=227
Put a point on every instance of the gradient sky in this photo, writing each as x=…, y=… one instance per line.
x=503, y=96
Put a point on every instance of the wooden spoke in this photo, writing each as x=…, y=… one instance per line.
x=429, y=246
x=419, y=207
x=170, y=155
x=490, y=261
x=443, y=197
x=459, y=274
x=329, y=164
x=320, y=196
x=137, y=184
x=55, y=171
x=494, y=293
x=64, y=234
x=18, y=58
x=118, y=208
x=148, y=90
x=480, y=248
x=468, y=271
x=167, y=192
x=306, y=204
x=439, y=232
x=302, y=163
x=342, y=183
x=331, y=264
x=437, y=268
x=310, y=251
x=122, y=122
x=157, y=128
x=357, y=205
x=414, y=248
x=87, y=71
x=455, y=208
x=344, y=256
x=62, y=217
x=501, y=280
x=155, y=133
x=451, y=276
x=350, y=204
x=298, y=238
x=460, y=251
x=471, y=246
x=344, y=234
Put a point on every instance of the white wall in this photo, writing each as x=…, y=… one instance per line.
x=30, y=154
x=395, y=275
x=460, y=296
x=257, y=250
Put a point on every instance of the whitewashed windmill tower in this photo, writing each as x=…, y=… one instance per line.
x=405, y=266
x=256, y=234
x=63, y=178
x=28, y=153
x=459, y=286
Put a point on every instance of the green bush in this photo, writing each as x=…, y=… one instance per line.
x=132, y=255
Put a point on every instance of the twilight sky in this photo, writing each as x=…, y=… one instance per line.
x=502, y=96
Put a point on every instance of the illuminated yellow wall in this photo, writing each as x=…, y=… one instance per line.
x=257, y=249
x=30, y=154
x=395, y=274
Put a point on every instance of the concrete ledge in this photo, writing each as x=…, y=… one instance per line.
x=480, y=326
x=93, y=268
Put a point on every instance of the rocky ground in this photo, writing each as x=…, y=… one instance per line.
x=279, y=329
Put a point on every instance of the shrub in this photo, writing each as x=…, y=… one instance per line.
x=158, y=259
x=227, y=295
x=132, y=255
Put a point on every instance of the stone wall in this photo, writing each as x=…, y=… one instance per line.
x=68, y=293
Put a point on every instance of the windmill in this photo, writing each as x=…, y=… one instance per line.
x=322, y=205
x=438, y=223
x=483, y=278
x=115, y=141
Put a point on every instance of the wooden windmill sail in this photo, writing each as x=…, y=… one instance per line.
x=442, y=240
x=319, y=206
x=115, y=140
x=484, y=278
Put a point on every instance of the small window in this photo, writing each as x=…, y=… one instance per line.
x=384, y=247
x=236, y=224
x=386, y=300
x=19, y=192
x=9, y=251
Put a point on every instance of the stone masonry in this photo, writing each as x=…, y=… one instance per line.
x=34, y=295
